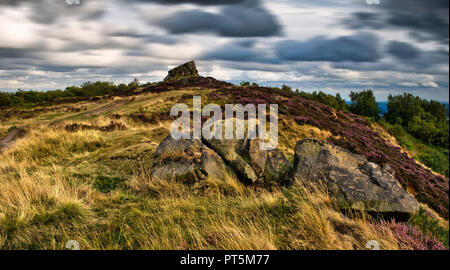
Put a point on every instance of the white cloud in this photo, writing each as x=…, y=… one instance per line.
x=430, y=84
x=16, y=31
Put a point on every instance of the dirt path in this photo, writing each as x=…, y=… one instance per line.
x=9, y=139
x=108, y=107
x=95, y=112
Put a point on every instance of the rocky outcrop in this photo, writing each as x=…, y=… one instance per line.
x=247, y=159
x=187, y=160
x=187, y=70
x=194, y=160
x=356, y=183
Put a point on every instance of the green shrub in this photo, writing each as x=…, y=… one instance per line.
x=435, y=157
x=427, y=224
x=364, y=103
x=426, y=120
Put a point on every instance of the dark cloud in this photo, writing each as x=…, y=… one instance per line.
x=402, y=50
x=363, y=19
x=357, y=48
x=424, y=20
x=429, y=62
x=13, y=53
x=50, y=11
x=248, y=19
x=241, y=51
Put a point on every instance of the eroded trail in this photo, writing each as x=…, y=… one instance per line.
x=108, y=107
x=9, y=139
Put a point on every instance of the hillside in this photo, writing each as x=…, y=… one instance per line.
x=84, y=170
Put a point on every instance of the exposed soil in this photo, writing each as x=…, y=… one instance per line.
x=109, y=107
x=9, y=139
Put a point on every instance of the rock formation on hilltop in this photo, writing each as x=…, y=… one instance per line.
x=187, y=70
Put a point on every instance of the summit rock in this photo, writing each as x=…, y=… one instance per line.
x=187, y=70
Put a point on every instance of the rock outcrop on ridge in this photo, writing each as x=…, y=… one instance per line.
x=187, y=70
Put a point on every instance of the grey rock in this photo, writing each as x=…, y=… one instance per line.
x=356, y=183
x=248, y=160
x=194, y=160
x=187, y=160
x=187, y=70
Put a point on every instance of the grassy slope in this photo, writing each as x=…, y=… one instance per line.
x=93, y=187
x=436, y=158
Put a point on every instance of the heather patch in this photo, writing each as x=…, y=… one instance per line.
x=410, y=237
x=352, y=132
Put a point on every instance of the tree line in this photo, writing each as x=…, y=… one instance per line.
x=87, y=89
x=425, y=119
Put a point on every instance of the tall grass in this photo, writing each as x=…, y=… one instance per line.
x=96, y=188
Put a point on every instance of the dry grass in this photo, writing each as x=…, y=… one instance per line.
x=95, y=187
x=290, y=133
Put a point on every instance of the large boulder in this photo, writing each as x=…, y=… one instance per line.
x=248, y=160
x=194, y=160
x=356, y=183
x=187, y=160
x=187, y=70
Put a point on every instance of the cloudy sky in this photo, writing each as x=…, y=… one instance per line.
x=330, y=45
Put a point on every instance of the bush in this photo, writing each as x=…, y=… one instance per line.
x=87, y=89
x=429, y=225
x=426, y=120
x=5, y=99
x=364, y=103
x=435, y=157
x=333, y=101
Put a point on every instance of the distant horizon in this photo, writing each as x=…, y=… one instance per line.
x=347, y=98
